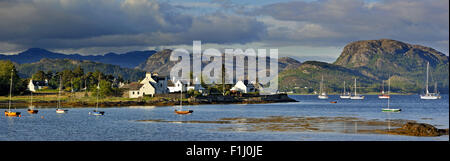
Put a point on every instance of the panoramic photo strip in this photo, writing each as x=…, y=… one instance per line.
x=224, y=79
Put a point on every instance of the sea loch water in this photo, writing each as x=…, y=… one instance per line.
x=121, y=123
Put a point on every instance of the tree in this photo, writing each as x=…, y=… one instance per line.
x=39, y=76
x=19, y=85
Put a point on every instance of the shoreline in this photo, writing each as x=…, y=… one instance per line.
x=159, y=101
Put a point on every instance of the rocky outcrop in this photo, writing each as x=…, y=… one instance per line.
x=419, y=129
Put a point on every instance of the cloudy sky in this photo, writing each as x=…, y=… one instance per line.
x=298, y=28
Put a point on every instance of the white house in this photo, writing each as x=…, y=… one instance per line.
x=152, y=84
x=185, y=86
x=176, y=87
x=37, y=85
x=244, y=87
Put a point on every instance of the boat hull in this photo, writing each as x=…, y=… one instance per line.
x=322, y=97
x=391, y=110
x=345, y=97
x=429, y=97
x=61, y=111
x=357, y=97
x=183, y=112
x=12, y=114
x=384, y=96
x=97, y=113
x=32, y=111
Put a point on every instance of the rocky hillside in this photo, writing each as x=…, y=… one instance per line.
x=371, y=62
x=380, y=59
x=309, y=74
x=160, y=63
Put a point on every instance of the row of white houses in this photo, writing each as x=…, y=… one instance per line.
x=153, y=84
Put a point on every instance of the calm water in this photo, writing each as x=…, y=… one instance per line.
x=120, y=123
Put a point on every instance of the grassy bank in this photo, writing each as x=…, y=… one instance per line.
x=81, y=99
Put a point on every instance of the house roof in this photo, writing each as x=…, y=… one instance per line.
x=133, y=86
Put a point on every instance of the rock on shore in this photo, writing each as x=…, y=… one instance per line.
x=419, y=129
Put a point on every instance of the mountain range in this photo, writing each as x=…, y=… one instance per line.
x=126, y=60
x=369, y=61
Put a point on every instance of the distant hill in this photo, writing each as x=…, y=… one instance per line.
x=372, y=61
x=309, y=74
x=380, y=58
x=127, y=60
x=160, y=63
x=26, y=70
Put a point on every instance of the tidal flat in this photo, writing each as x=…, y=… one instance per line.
x=320, y=124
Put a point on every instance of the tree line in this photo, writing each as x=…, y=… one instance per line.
x=75, y=80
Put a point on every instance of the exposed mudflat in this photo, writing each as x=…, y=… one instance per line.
x=322, y=124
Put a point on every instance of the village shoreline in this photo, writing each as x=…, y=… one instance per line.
x=155, y=101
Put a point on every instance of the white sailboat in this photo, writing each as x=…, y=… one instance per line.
x=96, y=112
x=9, y=112
x=428, y=95
x=58, y=108
x=389, y=109
x=356, y=96
x=322, y=93
x=345, y=95
x=383, y=95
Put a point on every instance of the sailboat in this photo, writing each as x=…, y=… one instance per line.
x=181, y=111
x=58, y=108
x=322, y=94
x=96, y=112
x=383, y=95
x=345, y=95
x=428, y=95
x=9, y=112
x=31, y=109
x=356, y=96
x=388, y=109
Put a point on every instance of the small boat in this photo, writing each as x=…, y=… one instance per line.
x=356, y=96
x=333, y=102
x=428, y=95
x=345, y=95
x=389, y=109
x=31, y=109
x=58, y=109
x=182, y=112
x=9, y=112
x=61, y=110
x=383, y=95
x=322, y=94
x=96, y=112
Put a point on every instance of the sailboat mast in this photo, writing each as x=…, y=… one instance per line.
x=389, y=90
x=355, y=86
x=344, y=88
x=31, y=98
x=98, y=91
x=181, y=96
x=428, y=64
x=10, y=90
x=59, y=92
x=321, y=86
